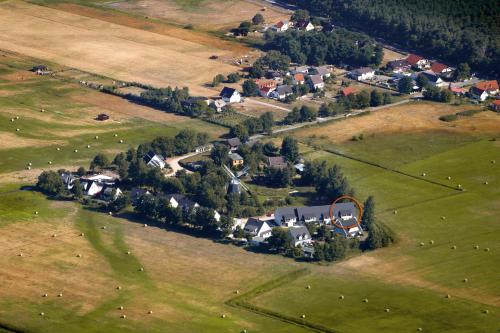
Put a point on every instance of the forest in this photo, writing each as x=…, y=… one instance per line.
x=451, y=31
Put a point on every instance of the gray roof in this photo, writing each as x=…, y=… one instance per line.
x=322, y=70
x=150, y=155
x=234, y=142
x=227, y=92
x=284, y=89
x=362, y=70
x=253, y=225
x=318, y=212
x=235, y=157
x=433, y=77
x=398, y=63
x=276, y=161
x=299, y=231
x=183, y=201
x=286, y=212
x=316, y=79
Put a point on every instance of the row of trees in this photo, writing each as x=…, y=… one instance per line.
x=455, y=31
x=250, y=126
x=329, y=181
x=299, y=115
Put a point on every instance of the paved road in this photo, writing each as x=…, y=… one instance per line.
x=267, y=104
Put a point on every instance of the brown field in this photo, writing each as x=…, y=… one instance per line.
x=390, y=55
x=108, y=49
x=407, y=118
x=211, y=14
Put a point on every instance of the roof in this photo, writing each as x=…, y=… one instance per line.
x=284, y=89
x=151, y=155
x=322, y=70
x=285, y=212
x=458, y=90
x=182, y=200
x=253, y=225
x=299, y=77
x=299, y=231
x=276, y=162
x=413, y=59
x=39, y=68
x=234, y=142
x=430, y=75
x=398, y=63
x=302, y=24
x=316, y=79
x=349, y=90
x=496, y=102
x=487, y=85
x=363, y=70
x=227, y=92
x=438, y=67
x=280, y=24
x=235, y=157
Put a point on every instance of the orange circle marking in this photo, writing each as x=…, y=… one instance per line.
x=356, y=202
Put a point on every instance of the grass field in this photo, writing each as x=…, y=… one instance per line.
x=109, y=49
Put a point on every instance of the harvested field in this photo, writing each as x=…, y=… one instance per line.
x=407, y=118
x=210, y=14
x=10, y=140
x=390, y=55
x=109, y=49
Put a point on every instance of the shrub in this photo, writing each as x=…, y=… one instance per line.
x=448, y=117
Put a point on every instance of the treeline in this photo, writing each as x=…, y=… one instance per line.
x=455, y=31
x=337, y=47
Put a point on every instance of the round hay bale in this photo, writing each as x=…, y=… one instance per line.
x=303, y=316
x=128, y=252
x=115, y=135
x=145, y=225
x=431, y=242
x=487, y=249
x=60, y=295
x=443, y=217
x=121, y=141
x=150, y=312
x=365, y=300
x=476, y=247
x=96, y=137
x=341, y=296
x=308, y=287
x=423, y=174
x=123, y=316
x=420, y=329
x=449, y=178
x=454, y=247
x=387, y=310
x=29, y=168
x=30, y=164
x=20, y=254
x=120, y=307
x=466, y=280
x=493, y=161
x=54, y=235
x=17, y=117
x=11, y=119
x=42, y=314
x=17, y=129
x=76, y=150
x=486, y=311
x=110, y=213
x=88, y=146
x=485, y=183
x=36, y=212
x=118, y=288
x=422, y=243
x=50, y=162
x=237, y=292
x=78, y=255
x=395, y=212
x=82, y=234
x=244, y=331
x=58, y=149
x=141, y=269
x=45, y=295
x=42, y=110
x=448, y=296
x=103, y=227
x=223, y=316
x=459, y=185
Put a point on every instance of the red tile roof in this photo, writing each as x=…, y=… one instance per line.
x=487, y=85
x=458, y=90
x=299, y=77
x=280, y=24
x=438, y=67
x=349, y=90
x=413, y=59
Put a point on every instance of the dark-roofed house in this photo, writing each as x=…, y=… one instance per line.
x=316, y=82
x=236, y=159
x=258, y=228
x=434, y=79
x=277, y=162
x=304, y=25
x=398, y=66
x=137, y=193
x=181, y=201
x=282, y=92
x=230, y=95
x=233, y=143
x=285, y=216
x=153, y=160
x=363, y=73
x=300, y=236
x=290, y=216
x=40, y=70
x=68, y=180
x=234, y=187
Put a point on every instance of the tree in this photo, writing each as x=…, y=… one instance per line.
x=462, y=72
x=258, y=19
x=270, y=149
x=307, y=113
x=379, y=236
x=233, y=78
x=244, y=28
x=376, y=98
x=368, y=216
x=218, y=79
x=387, y=98
x=50, y=183
x=363, y=99
x=300, y=15
x=77, y=189
x=422, y=81
x=290, y=149
x=120, y=203
x=219, y=154
x=267, y=120
x=405, y=85
x=250, y=88
x=280, y=240
x=99, y=161
x=81, y=171
x=240, y=132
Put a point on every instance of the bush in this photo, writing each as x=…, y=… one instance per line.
x=448, y=117
x=468, y=113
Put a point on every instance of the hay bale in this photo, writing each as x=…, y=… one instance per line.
x=237, y=292
x=423, y=174
x=493, y=161
x=54, y=235
x=303, y=316
x=103, y=227
x=466, y=280
x=223, y=316
x=150, y=312
x=110, y=213
x=431, y=242
x=365, y=300
x=449, y=178
x=341, y=296
x=487, y=249
x=395, y=212
x=88, y=146
x=29, y=168
x=45, y=295
x=36, y=212
x=420, y=329
x=443, y=217
x=17, y=117
x=42, y=110
x=58, y=149
x=123, y=316
x=50, y=162
x=244, y=331
x=448, y=296
x=76, y=150
x=145, y=225
x=60, y=295
x=78, y=255
x=141, y=269
x=115, y=135
x=128, y=252
x=17, y=129
x=82, y=234
x=476, y=247
x=11, y=119
x=118, y=288
x=459, y=185
x=422, y=243
x=20, y=254
x=454, y=247
x=30, y=164
x=120, y=307
x=486, y=311
x=121, y=141
x=96, y=137
x=308, y=287
x=387, y=310
x=485, y=183
x=42, y=314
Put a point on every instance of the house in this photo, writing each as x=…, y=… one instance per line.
x=233, y=143
x=304, y=25
x=324, y=71
x=441, y=69
x=92, y=188
x=181, y=201
x=137, y=193
x=277, y=162
x=266, y=87
x=348, y=91
x=111, y=193
x=282, y=92
x=300, y=69
x=108, y=178
x=398, y=66
x=417, y=61
x=68, y=180
x=273, y=74
x=102, y=117
x=300, y=236
x=495, y=106
x=298, y=78
x=434, y=79
x=281, y=26
x=234, y=186
x=483, y=90
x=230, y=95
x=290, y=216
x=457, y=90
x=40, y=70
x=203, y=149
x=236, y=159
x=299, y=168
x=285, y=216
x=258, y=228
x=350, y=228
x=154, y=161
x=361, y=74
x=316, y=82
x=218, y=105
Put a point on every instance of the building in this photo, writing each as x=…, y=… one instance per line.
x=300, y=69
x=434, y=79
x=361, y=74
x=495, y=106
x=300, y=236
x=304, y=25
x=230, y=95
x=290, y=216
x=483, y=90
x=266, y=87
x=68, y=180
x=276, y=162
x=203, y=149
x=281, y=26
x=348, y=91
x=154, y=161
x=236, y=160
x=233, y=143
x=282, y=92
x=137, y=193
x=316, y=82
x=181, y=201
x=218, y=105
x=285, y=216
x=441, y=69
x=298, y=78
x=111, y=193
x=457, y=90
x=102, y=117
x=234, y=186
x=398, y=66
x=324, y=71
x=40, y=70
x=417, y=61
x=258, y=228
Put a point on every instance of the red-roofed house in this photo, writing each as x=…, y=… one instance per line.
x=281, y=26
x=417, y=61
x=266, y=87
x=495, y=106
x=440, y=68
x=458, y=91
x=348, y=91
x=299, y=78
x=485, y=89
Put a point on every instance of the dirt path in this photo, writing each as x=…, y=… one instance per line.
x=249, y=100
x=173, y=162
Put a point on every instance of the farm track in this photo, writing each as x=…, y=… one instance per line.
x=243, y=302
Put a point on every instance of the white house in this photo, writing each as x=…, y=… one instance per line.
x=300, y=236
x=361, y=74
x=316, y=82
x=281, y=26
x=230, y=95
x=111, y=193
x=434, y=79
x=154, y=161
x=285, y=216
x=260, y=230
x=181, y=201
x=281, y=92
x=485, y=89
x=92, y=188
x=304, y=25
x=324, y=71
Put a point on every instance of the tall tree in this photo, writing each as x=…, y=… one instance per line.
x=290, y=149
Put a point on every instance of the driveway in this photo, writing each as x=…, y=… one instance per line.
x=173, y=162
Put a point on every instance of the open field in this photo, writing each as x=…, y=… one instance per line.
x=204, y=14
x=108, y=49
